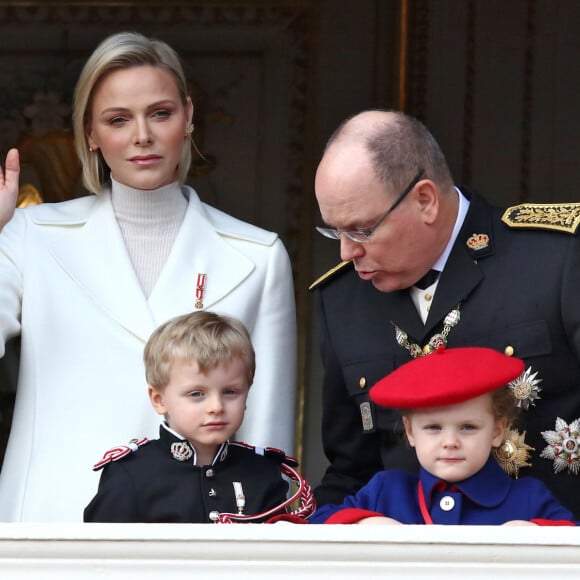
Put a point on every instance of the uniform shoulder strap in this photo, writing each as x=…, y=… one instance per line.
x=561, y=217
x=116, y=453
x=330, y=274
x=272, y=452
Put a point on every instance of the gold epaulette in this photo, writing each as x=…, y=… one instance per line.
x=327, y=275
x=562, y=217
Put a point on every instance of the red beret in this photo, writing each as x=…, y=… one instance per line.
x=446, y=377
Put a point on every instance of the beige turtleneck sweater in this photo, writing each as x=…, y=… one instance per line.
x=149, y=221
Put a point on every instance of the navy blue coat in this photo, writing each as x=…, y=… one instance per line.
x=521, y=291
x=490, y=497
x=152, y=486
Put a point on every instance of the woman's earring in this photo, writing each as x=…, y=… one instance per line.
x=189, y=130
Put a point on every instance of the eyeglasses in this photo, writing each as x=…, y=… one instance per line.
x=363, y=236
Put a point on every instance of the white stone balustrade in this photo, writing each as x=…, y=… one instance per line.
x=285, y=551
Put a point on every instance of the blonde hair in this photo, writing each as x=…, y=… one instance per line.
x=504, y=404
x=116, y=52
x=204, y=337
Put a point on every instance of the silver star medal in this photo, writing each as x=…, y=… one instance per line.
x=525, y=389
x=563, y=446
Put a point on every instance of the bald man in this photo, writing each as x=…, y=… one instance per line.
x=427, y=263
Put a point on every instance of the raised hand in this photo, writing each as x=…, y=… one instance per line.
x=9, y=186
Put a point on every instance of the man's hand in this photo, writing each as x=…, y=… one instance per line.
x=9, y=186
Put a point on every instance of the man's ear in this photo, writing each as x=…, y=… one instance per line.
x=427, y=196
x=157, y=400
x=409, y=431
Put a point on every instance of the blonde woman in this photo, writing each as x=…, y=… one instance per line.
x=85, y=282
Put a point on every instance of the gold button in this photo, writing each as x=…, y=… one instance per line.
x=509, y=350
x=428, y=297
x=362, y=382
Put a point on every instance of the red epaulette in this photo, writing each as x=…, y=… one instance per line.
x=116, y=453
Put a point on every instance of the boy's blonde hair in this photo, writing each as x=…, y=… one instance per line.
x=202, y=337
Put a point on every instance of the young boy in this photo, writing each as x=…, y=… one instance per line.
x=456, y=406
x=199, y=368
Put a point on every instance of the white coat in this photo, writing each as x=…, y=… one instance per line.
x=68, y=288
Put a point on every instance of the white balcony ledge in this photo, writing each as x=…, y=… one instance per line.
x=284, y=551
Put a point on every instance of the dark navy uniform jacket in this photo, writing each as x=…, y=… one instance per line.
x=150, y=485
x=521, y=291
x=490, y=497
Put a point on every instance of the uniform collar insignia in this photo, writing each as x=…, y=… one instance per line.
x=477, y=242
x=222, y=452
x=181, y=450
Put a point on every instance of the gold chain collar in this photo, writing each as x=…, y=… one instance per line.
x=438, y=339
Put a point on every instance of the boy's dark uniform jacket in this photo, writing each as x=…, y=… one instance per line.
x=152, y=486
x=519, y=294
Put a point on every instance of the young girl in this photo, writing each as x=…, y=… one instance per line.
x=456, y=407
